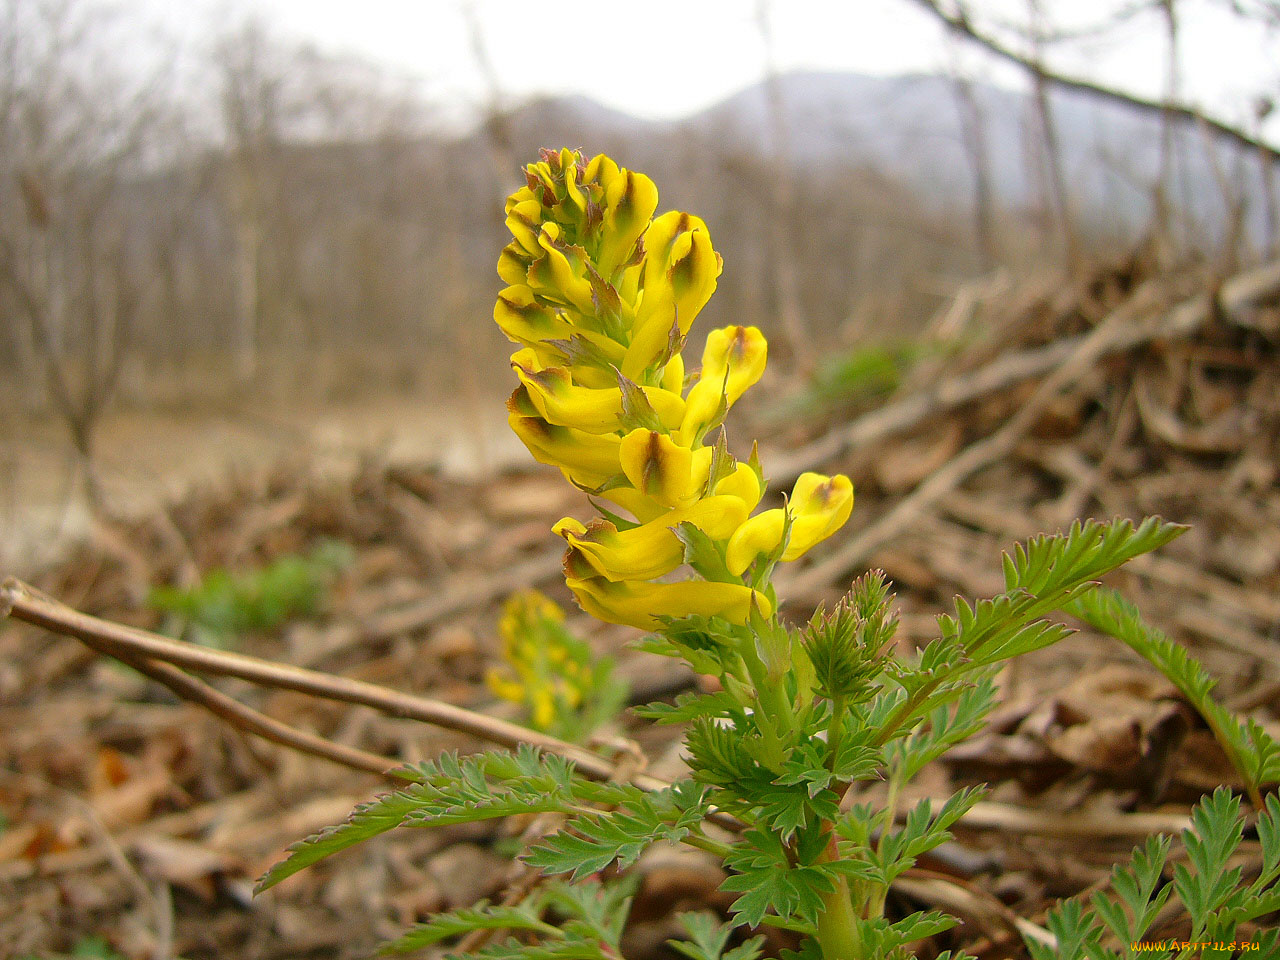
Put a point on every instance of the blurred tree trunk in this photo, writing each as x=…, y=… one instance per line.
x=973, y=136
x=795, y=340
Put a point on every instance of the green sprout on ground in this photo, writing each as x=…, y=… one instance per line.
x=225, y=604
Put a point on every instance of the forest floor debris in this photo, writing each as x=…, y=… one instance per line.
x=137, y=821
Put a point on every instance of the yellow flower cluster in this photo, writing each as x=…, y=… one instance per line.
x=601, y=296
x=545, y=669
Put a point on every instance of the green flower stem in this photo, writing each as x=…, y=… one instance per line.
x=838, y=925
x=835, y=733
x=721, y=850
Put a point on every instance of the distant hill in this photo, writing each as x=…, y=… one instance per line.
x=907, y=128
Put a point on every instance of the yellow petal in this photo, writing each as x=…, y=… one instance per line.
x=513, y=264
x=524, y=220
x=761, y=534
x=634, y=502
x=732, y=361
x=558, y=272
x=657, y=466
x=637, y=604
x=592, y=409
x=590, y=458
x=651, y=549
x=673, y=375
x=819, y=507
x=743, y=484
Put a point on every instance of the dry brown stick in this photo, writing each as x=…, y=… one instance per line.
x=978, y=454
x=975, y=906
x=1234, y=297
x=246, y=718
x=22, y=602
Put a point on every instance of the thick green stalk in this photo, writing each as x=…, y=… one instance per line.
x=838, y=926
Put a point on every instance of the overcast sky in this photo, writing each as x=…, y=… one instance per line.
x=668, y=58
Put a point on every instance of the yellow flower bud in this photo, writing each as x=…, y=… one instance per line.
x=680, y=274
x=732, y=361
x=819, y=507
x=629, y=201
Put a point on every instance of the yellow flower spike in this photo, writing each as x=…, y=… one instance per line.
x=761, y=534
x=542, y=708
x=651, y=549
x=591, y=409
x=732, y=361
x=504, y=685
x=637, y=604
x=819, y=507
x=657, y=466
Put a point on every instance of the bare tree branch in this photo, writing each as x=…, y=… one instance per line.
x=961, y=24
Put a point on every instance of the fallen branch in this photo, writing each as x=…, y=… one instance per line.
x=977, y=455
x=1135, y=322
x=1235, y=297
x=22, y=602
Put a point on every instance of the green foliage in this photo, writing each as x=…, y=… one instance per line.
x=590, y=842
x=1253, y=752
x=865, y=373
x=225, y=604
x=709, y=940
x=846, y=648
x=459, y=790
x=590, y=919
x=1214, y=894
x=802, y=718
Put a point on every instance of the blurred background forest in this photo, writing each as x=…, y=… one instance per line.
x=251, y=230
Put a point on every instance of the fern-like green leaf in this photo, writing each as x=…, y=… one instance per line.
x=709, y=938
x=481, y=916
x=1252, y=751
x=458, y=790
x=589, y=843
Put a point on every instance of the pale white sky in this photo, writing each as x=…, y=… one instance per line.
x=667, y=58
